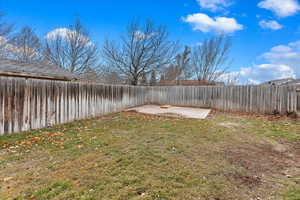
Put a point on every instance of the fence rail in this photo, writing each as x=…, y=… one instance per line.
x=27, y=104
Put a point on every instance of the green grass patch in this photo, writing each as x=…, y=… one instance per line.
x=49, y=192
x=293, y=193
x=131, y=156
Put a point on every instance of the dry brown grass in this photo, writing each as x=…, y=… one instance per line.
x=133, y=156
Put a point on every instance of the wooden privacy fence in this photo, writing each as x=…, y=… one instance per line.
x=298, y=99
x=258, y=99
x=27, y=104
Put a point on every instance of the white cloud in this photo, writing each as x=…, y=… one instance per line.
x=63, y=33
x=274, y=25
x=264, y=72
x=214, y=5
x=282, y=8
x=285, y=54
x=281, y=49
x=230, y=78
x=295, y=45
x=204, y=23
x=283, y=62
x=2, y=40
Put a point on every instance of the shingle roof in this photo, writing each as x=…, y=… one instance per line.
x=293, y=82
x=34, y=70
x=279, y=82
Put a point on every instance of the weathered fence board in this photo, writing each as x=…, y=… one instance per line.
x=258, y=99
x=298, y=99
x=27, y=104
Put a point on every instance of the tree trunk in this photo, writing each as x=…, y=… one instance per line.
x=134, y=81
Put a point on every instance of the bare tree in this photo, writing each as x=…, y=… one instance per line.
x=113, y=78
x=162, y=79
x=25, y=46
x=144, y=80
x=144, y=48
x=5, y=33
x=181, y=68
x=109, y=76
x=172, y=73
x=230, y=78
x=210, y=60
x=183, y=62
x=90, y=75
x=153, y=79
x=71, y=49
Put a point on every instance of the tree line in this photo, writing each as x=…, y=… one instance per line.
x=143, y=55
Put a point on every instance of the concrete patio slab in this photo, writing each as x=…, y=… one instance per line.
x=172, y=111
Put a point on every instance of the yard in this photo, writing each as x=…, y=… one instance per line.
x=134, y=156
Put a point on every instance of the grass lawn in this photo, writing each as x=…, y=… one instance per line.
x=134, y=156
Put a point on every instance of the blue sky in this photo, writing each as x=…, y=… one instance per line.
x=264, y=32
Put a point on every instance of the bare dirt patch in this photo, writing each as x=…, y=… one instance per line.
x=229, y=124
x=250, y=181
x=260, y=160
x=269, y=117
